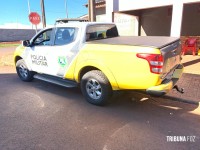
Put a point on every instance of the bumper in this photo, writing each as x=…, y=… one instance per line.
x=164, y=88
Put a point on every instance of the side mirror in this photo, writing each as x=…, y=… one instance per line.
x=26, y=43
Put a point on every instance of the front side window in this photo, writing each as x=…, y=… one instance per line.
x=43, y=38
x=65, y=35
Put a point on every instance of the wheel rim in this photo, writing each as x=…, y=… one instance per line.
x=93, y=89
x=23, y=71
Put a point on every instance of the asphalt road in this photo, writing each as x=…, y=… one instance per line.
x=39, y=115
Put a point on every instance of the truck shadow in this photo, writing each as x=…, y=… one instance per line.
x=169, y=102
x=126, y=100
x=192, y=62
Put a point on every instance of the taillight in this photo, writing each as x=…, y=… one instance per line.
x=155, y=61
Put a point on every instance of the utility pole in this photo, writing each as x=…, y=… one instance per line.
x=89, y=10
x=43, y=13
x=66, y=8
x=92, y=12
x=29, y=11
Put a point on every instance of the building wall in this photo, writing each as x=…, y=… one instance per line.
x=175, y=22
x=10, y=35
x=101, y=18
x=100, y=11
x=101, y=14
x=142, y=4
x=127, y=24
x=156, y=21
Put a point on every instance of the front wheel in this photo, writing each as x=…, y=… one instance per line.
x=96, y=87
x=23, y=72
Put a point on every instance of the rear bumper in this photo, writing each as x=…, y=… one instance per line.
x=164, y=88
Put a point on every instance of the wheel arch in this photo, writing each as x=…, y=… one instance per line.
x=22, y=71
x=17, y=58
x=86, y=68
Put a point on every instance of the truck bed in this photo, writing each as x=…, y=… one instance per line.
x=147, y=41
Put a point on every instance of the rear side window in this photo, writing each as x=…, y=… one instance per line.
x=101, y=31
x=65, y=35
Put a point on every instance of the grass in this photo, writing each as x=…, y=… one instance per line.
x=9, y=44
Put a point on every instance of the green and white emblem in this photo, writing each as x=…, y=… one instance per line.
x=62, y=61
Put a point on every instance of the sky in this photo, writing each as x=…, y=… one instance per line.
x=14, y=13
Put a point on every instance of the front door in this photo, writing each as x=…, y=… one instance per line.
x=53, y=51
x=38, y=52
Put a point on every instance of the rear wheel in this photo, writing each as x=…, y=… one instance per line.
x=23, y=72
x=96, y=88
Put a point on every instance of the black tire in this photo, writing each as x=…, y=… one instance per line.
x=23, y=72
x=96, y=88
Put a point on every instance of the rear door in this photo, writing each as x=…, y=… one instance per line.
x=63, y=51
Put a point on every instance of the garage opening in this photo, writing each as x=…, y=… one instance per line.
x=190, y=23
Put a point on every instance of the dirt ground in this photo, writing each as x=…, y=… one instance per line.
x=6, y=60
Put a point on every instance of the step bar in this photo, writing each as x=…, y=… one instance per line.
x=56, y=80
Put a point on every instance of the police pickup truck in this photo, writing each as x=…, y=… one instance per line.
x=93, y=56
